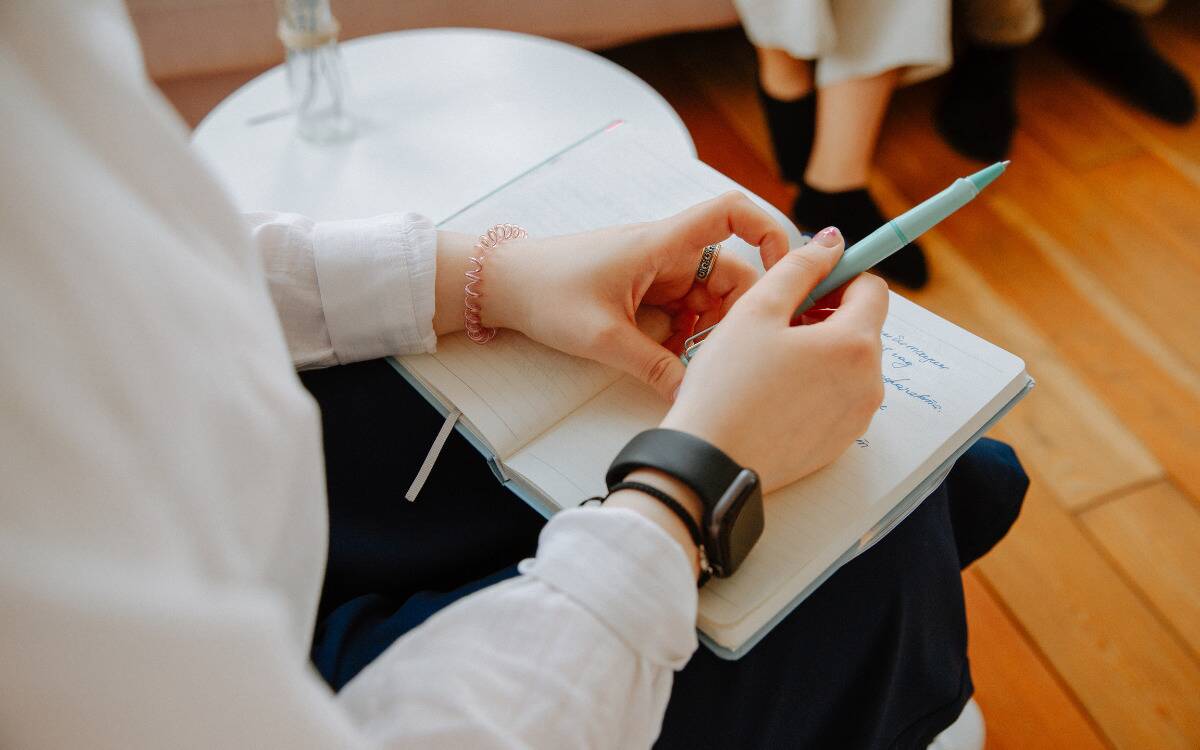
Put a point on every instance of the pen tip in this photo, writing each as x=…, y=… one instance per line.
x=1006, y=162
x=985, y=176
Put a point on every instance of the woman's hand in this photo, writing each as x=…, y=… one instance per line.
x=581, y=293
x=782, y=399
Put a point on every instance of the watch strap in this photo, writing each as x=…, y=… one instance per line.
x=703, y=467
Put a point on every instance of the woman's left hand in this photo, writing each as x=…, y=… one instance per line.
x=581, y=293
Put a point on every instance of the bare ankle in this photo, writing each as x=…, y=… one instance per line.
x=834, y=180
x=782, y=76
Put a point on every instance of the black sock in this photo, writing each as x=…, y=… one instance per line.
x=792, y=125
x=855, y=214
x=977, y=113
x=1112, y=47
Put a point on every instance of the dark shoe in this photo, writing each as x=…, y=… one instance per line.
x=1111, y=46
x=793, y=125
x=977, y=114
x=856, y=215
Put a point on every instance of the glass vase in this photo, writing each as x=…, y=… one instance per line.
x=315, y=73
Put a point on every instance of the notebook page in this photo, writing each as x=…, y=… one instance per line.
x=514, y=389
x=941, y=384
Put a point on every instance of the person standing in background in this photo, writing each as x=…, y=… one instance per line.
x=827, y=69
x=1105, y=39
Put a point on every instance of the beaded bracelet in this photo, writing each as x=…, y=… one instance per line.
x=476, y=330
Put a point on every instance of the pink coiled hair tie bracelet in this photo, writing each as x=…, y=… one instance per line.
x=476, y=330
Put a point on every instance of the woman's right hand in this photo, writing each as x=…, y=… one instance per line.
x=787, y=399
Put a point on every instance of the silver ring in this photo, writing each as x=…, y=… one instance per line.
x=708, y=259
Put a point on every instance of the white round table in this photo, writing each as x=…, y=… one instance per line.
x=443, y=116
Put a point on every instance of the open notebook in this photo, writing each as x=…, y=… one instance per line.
x=550, y=423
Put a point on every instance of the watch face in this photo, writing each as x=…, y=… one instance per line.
x=736, y=523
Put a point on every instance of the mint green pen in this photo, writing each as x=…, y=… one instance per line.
x=887, y=239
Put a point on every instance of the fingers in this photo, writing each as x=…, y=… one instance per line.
x=728, y=214
x=654, y=322
x=864, y=303
x=796, y=274
x=731, y=278
x=630, y=350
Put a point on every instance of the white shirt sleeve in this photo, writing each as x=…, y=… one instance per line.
x=352, y=290
x=163, y=516
x=577, y=652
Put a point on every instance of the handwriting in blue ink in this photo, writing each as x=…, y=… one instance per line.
x=903, y=353
x=900, y=385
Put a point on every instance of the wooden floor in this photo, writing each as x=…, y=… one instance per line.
x=1085, y=261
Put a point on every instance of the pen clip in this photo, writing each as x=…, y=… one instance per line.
x=693, y=342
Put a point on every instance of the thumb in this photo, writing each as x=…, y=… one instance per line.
x=796, y=274
x=644, y=358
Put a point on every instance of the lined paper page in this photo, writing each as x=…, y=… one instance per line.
x=513, y=389
x=941, y=384
x=611, y=178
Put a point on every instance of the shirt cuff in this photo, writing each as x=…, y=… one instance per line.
x=376, y=278
x=628, y=573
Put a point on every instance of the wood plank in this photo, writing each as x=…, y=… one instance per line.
x=1177, y=146
x=1162, y=198
x=722, y=66
x=1049, y=109
x=718, y=142
x=1024, y=705
x=1149, y=269
x=1184, y=16
x=1132, y=365
x=1152, y=535
x=1062, y=414
x=1149, y=388
x=1128, y=671
x=1098, y=219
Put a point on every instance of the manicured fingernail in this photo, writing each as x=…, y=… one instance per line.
x=828, y=237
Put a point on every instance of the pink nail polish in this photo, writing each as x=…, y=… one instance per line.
x=828, y=237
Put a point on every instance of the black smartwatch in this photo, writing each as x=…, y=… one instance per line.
x=731, y=494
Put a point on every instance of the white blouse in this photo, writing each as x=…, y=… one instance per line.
x=162, y=512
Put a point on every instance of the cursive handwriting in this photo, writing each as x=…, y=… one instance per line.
x=900, y=386
x=903, y=353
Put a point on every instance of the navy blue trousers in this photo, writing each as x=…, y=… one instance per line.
x=874, y=658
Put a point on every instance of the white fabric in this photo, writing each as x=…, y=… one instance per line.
x=347, y=291
x=377, y=292
x=163, y=522
x=853, y=39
